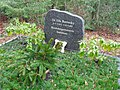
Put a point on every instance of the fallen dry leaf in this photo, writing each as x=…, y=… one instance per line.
x=86, y=83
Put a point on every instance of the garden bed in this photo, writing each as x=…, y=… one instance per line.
x=70, y=73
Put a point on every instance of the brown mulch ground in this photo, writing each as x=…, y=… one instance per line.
x=105, y=33
x=3, y=19
x=1, y=28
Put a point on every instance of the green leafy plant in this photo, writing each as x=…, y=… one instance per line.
x=97, y=13
x=70, y=72
x=20, y=28
x=95, y=48
x=32, y=10
x=109, y=46
x=90, y=50
x=74, y=73
x=29, y=69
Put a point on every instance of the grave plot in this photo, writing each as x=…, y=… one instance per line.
x=35, y=65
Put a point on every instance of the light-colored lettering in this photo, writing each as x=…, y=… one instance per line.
x=63, y=21
x=61, y=29
x=61, y=33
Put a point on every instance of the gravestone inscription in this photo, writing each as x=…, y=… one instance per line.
x=64, y=26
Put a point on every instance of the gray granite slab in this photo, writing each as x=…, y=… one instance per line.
x=118, y=68
x=118, y=64
x=64, y=26
x=119, y=81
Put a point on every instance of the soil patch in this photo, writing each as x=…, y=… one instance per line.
x=105, y=33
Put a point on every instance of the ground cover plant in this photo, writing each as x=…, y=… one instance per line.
x=31, y=64
x=74, y=73
x=71, y=72
x=97, y=47
x=25, y=68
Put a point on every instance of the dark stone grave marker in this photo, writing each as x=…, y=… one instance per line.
x=64, y=26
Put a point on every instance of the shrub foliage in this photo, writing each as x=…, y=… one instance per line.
x=28, y=67
x=96, y=13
